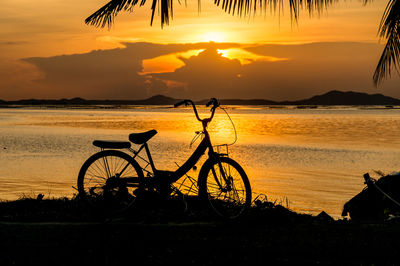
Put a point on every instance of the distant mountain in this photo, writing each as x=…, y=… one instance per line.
x=347, y=98
x=242, y=102
x=154, y=100
x=74, y=101
x=330, y=98
x=158, y=100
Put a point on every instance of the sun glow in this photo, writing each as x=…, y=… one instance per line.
x=166, y=63
x=171, y=62
x=246, y=57
x=213, y=36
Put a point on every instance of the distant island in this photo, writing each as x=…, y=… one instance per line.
x=331, y=98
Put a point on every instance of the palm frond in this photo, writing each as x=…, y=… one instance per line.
x=245, y=7
x=106, y=14
x=389, y=29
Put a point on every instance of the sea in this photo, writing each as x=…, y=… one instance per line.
x=309, y=159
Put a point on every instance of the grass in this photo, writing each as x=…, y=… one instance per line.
x=68, y=231
x=189, y=209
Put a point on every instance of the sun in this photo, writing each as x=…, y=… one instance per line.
x=213, y=36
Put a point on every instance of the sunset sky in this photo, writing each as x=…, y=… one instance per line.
x=46, y=51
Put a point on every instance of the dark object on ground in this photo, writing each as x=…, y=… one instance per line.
x=40, y=197
x=323, y=216
x=371, y=204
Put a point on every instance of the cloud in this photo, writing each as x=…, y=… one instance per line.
x=100, y=74
x=16, y=79
x=309, y=69
x=111, y=74
x=119, y=73
x=205, y=74
x=315, y=68
x=14, y=43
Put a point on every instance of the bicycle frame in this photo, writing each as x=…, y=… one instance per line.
x=173, y=176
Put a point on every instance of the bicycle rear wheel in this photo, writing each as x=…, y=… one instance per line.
x=224, y=185
x=110, y=180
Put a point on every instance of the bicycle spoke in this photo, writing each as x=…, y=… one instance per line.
x=102, y=171
x=234, y=191
x=100, y=180
x=226, y=189
x=97, y=175
x=106, y=167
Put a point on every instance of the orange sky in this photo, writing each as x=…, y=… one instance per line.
x=48, y=28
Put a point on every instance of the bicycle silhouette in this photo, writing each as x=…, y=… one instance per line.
x=114, y=177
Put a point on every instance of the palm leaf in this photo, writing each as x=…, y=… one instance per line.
x=389, y=29
x=106, y=14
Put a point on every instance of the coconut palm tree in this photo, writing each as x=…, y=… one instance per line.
x=389, y=27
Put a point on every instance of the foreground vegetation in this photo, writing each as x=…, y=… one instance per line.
x=68, y=231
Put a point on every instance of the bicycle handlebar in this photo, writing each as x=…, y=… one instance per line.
x=212, y=101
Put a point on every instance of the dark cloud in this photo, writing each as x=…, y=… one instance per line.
x=13, y=43
x=112, y=74
x=206, y=74
x=311, y=69
x=314, y=68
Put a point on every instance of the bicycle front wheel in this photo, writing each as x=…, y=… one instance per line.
x=224, y=185
x=110, y=180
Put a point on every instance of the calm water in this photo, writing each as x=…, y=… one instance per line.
x=314, y=158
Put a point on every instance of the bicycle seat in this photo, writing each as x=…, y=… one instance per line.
x=111, y=144
x=140, y=138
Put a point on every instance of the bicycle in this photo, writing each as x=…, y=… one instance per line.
x=116, y=179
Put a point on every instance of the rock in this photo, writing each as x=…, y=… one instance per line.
x=371, y=204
